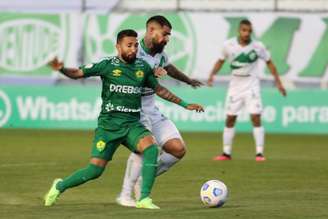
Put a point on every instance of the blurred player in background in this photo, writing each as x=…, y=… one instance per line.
x=123, y=77
x=151, y=50
x=243, y=54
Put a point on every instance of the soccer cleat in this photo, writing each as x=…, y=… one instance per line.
x=146, y=203
x=53, y=194
x=126, y=201
x=137, y=188
x=260, y=158
x=222, y=157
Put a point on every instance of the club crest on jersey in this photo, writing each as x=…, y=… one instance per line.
x=140, y=74
x=252, y=55
x=117, y=72
x=100, y=145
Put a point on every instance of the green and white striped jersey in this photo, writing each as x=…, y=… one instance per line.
x=243, y=59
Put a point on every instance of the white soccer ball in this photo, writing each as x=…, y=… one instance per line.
x=214, y=193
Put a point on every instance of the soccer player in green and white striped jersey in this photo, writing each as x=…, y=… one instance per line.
x=243, y=54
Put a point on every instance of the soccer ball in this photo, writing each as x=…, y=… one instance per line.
x=214, y=193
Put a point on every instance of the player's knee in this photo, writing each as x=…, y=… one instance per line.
x=95, y=171
x=180, y=152
x=256, y=120
x=175, y=147
x=145, y=142
x=230, y=121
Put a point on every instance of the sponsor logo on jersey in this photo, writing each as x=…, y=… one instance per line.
x=117, y=72
x=140, y=74
x=110, y=107
x=125, y=89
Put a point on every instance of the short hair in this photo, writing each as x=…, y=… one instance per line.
x=245, y=22
x=126, y=33
x=159, y=19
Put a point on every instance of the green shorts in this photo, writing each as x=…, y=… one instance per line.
x=107, y=141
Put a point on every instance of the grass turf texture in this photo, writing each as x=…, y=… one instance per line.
x=292, y=183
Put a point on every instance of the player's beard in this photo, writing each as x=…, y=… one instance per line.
x=158, y=47
x=129, y=58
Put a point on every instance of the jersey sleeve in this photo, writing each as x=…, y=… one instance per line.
x=94, y=69
x=223, y=55
x=263, y=52
x=150, y=80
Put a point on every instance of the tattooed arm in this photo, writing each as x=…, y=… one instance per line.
x=167, y=95
x=177, y=74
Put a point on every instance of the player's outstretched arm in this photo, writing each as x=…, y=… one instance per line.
x=276, y=77
x=177, y=74
x=167, y=95
x=217, y=66
x=73, y=73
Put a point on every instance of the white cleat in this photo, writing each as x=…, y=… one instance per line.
x=126, y=201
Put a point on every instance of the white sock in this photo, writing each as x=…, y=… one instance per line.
x=228, y=135
x=132, y=172
x=166, y=160
x=258, y=133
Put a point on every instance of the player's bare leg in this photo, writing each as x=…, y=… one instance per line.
x=258, y=133
x=228, y=135
x=173, y=151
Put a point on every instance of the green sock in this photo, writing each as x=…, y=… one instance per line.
x=149, y=168
x=79, y=177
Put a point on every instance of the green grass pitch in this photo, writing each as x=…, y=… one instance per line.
x=292, y=183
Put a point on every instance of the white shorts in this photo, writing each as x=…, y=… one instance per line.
x=250, y=99
x=162, y=128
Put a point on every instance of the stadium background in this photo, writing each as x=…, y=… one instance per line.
x=33, y=98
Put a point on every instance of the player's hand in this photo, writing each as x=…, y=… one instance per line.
x=210, y=81
x=55, y=64
x=195, y=83
x=198, y=108
x=160, y=72
x=281, y=89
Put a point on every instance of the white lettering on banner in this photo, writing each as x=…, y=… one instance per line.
x=126, y=89
x=36, y=108
x=5, y=108
x=213, y=113
x=304, y=114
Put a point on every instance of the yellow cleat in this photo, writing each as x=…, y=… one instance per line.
x=53, y=194
x=146, y=203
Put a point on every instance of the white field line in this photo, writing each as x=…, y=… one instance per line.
x=27, y=164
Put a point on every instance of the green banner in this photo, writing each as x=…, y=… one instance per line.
x=29, y=41
x=77, y=107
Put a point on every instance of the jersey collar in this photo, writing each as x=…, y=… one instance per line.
x=143, y=46
x=250, y=41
